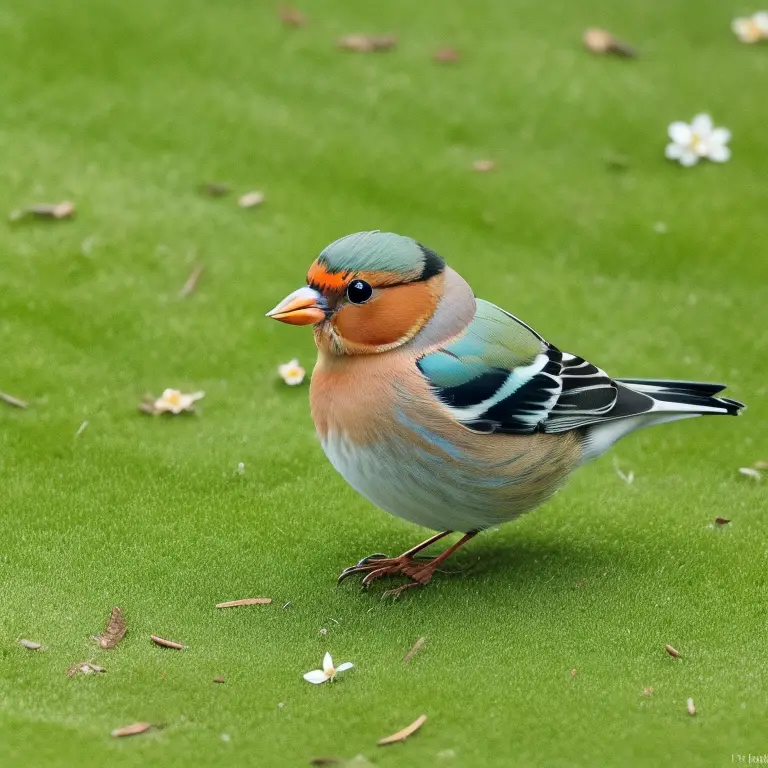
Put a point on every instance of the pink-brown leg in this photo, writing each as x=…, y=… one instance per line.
x=420, y=570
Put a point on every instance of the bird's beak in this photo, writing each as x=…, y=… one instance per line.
x=303, y=307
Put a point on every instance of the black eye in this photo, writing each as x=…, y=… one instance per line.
x=358, y=291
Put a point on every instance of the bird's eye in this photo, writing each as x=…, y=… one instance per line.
x=358, y=291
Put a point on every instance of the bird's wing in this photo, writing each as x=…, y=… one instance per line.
x=499, y=375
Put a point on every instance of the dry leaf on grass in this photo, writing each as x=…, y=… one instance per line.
x=31, y=645
x=573, y=673
x=601, y=41
x=366, y=43
x=417, y=646
x=405, y=733
x=245, y=601
x=760, y=465
x=447, y=56
x=483, y=166
x=324, y=761
x=291, y=17
x=84, y=668
x=62, y=210
x=115, y=630
x=11, y=400
x=215, y=188
x=191, y=282
x=251, y=199
x=168, y=643
x=219, y=680
x=648, y=691
x=673, y=652
x=722, y=521
x=691, y=707
x=131, y=730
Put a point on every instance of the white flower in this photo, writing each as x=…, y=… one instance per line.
x=174, y=401
x=328, y=672
x=699, y=139
x=291, y=373
x=751, y=29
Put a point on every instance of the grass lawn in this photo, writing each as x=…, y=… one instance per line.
x=650, y=270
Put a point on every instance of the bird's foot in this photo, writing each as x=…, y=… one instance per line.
x=418, y=569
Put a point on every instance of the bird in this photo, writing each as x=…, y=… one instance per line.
x=447, y=410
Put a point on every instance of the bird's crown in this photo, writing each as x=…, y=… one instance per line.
x=392, y=258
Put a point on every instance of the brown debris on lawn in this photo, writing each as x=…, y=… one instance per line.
x=417, y=646
x=722, y=521
x=167, y=643
x=31, y=645
x=447, y=56
x=219, y=680
x=366, y=43
x=131, y=730
x=11, y=400
x=404, y=733
x=760, y=464
x=63, y=210
x=85, y=668
x=648, y=691
x=251, y=199
x=191, y=282
x=215, y=188
x=601, y=41
x=483, y=166
x=291, y=17
x=324, y=761
x=673, y=652
x=115, y=630
x=245, y=601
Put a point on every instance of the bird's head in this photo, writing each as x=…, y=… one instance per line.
x=368, y=292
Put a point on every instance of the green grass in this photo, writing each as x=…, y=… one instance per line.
x=126, y=108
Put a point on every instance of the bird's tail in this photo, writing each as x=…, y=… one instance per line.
x=694, y=397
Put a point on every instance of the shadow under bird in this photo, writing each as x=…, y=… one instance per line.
x=447, y=410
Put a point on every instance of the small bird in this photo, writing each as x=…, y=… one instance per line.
x=447, y=410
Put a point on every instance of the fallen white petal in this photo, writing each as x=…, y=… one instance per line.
x=673, y=151
x=702, y=125
x=327, y=664
x=750, y=472
x=688, y=158
x=720, y=136
x=760, y=20
x=719, y=154
x=316, y=676
x=345, y=666
x=680, y=132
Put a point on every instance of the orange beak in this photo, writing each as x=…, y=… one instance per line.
x=303, y=307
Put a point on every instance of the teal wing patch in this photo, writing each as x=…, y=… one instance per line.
x=501, y=376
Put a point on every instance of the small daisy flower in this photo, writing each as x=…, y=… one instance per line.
x=174, y=401
x=328, y=672
x=751, y=29
x=700, y=139
x=291, y=372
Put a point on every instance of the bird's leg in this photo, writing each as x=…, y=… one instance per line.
x=420, y=570
x=379, y=560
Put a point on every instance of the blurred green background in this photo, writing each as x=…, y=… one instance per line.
x=647, y=269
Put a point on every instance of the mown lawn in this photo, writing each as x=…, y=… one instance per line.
x=648, y=270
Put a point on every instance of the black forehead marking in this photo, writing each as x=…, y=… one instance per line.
x=433, y=263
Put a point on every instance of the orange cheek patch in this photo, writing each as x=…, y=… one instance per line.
x=395, y=313
x=319, y=277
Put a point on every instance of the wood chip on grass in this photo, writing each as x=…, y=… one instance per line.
x=245, y=601
x=56, y=211
x=366, y=43
x=219, y=680
x=131, y=730
x=417, y=646
x=115, y=629
x=483, y=166
x=191, y=282
x=291, y=17
x=11, y=400
x=167, y=643
x=601, y=41
x=251, y=199
x=722, y=521
x=673, y=652
x=447, y=56
x=31, y=645
x=404, y=733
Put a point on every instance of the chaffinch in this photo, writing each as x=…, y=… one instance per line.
x=447, y=410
